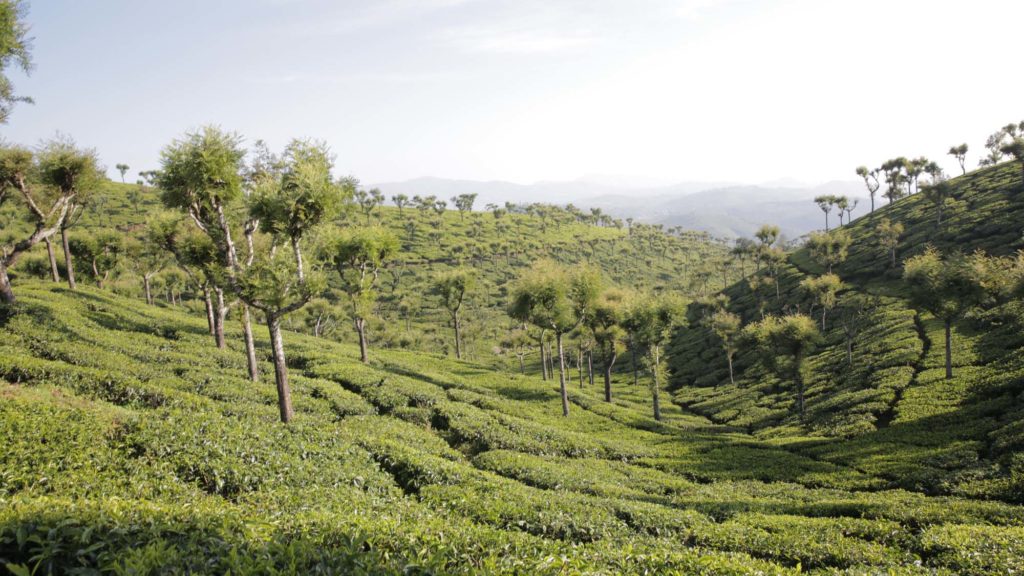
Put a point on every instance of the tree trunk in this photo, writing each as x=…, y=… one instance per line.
x=893, y=253
x=250, y=345
x=210, y=322
x=657, y=384
x=522, y=366
x=561, y=375
x=361, y=329
x=636, y=367
x=551, y=362
x=458, y=335
x=608, y=363
x=824, y=311
x=145, y=286
x=54, y=273
x=69, y=267
x=284, y=393
x=728, y=357
x=849, y=350
x=6, y=292
x=579, y=364
x=949, y=350
x=96, y=275
x=543, y=359
x=220, y=312
x=590, y=367
x=799, y=378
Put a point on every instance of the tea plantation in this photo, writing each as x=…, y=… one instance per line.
x=132, y=445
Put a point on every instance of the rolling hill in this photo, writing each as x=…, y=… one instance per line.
x=134, y=446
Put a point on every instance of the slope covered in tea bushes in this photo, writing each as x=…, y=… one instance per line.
x=890, y=412
x=134, y=446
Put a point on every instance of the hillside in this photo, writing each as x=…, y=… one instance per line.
x=886, y=409
x=496, y=246
x=133, y=445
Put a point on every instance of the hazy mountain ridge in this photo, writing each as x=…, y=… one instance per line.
x=721, y=209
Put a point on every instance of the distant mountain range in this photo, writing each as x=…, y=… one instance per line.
x=723, y=209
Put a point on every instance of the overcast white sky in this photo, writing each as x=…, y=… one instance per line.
x=527, y=90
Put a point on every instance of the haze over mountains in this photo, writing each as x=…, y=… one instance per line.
x=723, y=209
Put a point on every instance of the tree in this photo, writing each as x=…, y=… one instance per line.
x=101, y=251
x=825, y=202
x=914, y=168
x=657, y=317
x=792, y=338
x=842, y=204
x=358, y=256
x=556, y=299
x=46, y=208
x=452, y=288
x=895, y=178
x=945, y=286
x=464, y=203
x=854, y=314
x=960, y=153
x=123, y=169
x=994, y=143
x=146, y=258
x=823, y=291
x=888, y=234
x=1015, y=148
x=937, y=194
x=401, y=201
x=14, y=50
x=829, y=248
x=870, y=181
x=605, y=320
x=288, y=201
x=368, y=201
x=75, y=172
x=201, y=175
x=849, y=207
x=726, y=326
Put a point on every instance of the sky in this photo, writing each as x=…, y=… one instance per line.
x=532, y=90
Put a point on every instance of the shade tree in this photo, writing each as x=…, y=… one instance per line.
x=945, y=285
x=452, y=288
x=48, y=183
x=823, y=292
x=358, y=256
x=605, y=321
x=870, y=181
x=727, y=327
x=557, y=299
x=960, y=153
x=888, y=234
x=830, y=248
x=785, y=342
x=75, y=173
x=655, y=318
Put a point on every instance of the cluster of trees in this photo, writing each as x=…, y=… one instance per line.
x=53, y=185
x=901, y=175
x=559, y=300
x=842, y=204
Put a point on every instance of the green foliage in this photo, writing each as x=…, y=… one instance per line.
x=15, y=48
x=945, y=286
